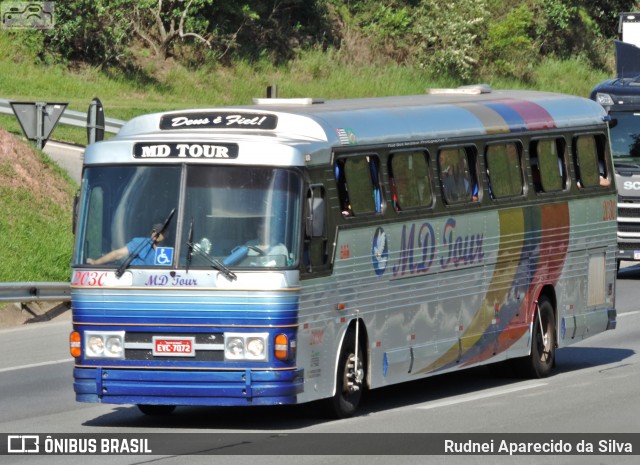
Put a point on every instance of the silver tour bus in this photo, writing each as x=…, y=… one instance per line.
x=297, y=250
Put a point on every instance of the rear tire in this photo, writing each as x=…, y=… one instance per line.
x=543, y=344
x=349, y=380
x=156, y=410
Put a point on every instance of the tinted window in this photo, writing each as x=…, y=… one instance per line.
x=586, y=159
x=359, y=185
x=457, y=174
x=504, y=169
x=547, y=165
x=410, y=182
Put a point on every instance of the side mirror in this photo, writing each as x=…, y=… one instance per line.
x=315, y=218
x=76, y=202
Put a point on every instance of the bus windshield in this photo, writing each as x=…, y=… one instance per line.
x=237, y=216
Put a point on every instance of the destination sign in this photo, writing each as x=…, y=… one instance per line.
x=218, y=120
x=184, y=150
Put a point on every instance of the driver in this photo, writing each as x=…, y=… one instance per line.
x=146, y=253
x=262, y=245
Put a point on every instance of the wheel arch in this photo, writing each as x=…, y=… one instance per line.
x=549, y=292
x=363, y=334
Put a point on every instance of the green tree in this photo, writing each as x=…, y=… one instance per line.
x=91, y=31
x=161, y=23
x=449, y=36
x=510, y=49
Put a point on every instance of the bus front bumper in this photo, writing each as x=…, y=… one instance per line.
x=187, y=387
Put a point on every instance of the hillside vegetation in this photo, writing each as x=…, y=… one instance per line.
x=154, y=55
x=35, y=223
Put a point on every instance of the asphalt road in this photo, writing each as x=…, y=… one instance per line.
x=69, y=157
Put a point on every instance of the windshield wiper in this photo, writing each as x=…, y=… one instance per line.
x=230, y=275
x=212, y=261
x=151, y=240
x=190, y=245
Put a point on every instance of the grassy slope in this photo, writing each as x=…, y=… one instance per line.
x=35, y=219
x=37, y=224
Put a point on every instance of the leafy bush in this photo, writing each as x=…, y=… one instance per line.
x=97, y=32
x=510, y=49
x=448, y=36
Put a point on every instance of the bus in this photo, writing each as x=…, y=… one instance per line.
x=299, y=250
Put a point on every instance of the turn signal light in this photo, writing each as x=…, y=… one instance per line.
x=281, y=347
x=75, y=347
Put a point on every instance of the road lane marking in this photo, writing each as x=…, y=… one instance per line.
x=482, y=395
x=34, y=365
x=66, y=146
x=635, y=312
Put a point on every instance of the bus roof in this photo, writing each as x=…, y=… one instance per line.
x=318, y=126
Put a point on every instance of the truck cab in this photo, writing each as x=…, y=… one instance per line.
x=621, y=98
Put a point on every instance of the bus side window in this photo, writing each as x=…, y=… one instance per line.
x=588, y=157
x=504, y=169
x=457, y=174
x=410, y=181
x=358, y=185
x=547, y=158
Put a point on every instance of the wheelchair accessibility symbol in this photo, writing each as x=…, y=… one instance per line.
x=164, y=256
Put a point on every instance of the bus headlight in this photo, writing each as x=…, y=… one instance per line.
x=246, y=346
x=104, y=344
x=233, y=348
x=255, y=348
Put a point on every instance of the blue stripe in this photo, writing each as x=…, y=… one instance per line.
x=513, y=119
x=239, y=309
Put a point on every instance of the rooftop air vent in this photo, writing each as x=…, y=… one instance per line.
x=474, y=89
x=287, y=101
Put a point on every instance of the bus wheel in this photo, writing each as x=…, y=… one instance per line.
x=156, y=410
x=543, y=346
x=350, y=379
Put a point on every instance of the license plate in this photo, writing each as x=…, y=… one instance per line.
x=173, y=346
x=636, y=254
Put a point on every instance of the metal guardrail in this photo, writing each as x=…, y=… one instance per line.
x=32, y=292
x=71, y=117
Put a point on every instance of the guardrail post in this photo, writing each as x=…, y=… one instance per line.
x=95, y=121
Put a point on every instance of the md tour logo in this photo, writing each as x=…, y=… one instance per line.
x=26, y=15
